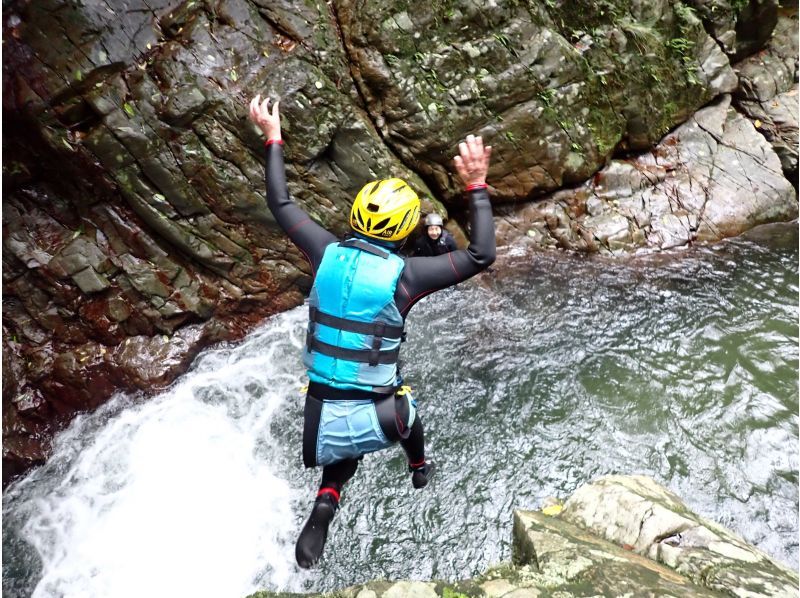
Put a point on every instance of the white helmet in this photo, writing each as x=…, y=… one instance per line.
x=433, y=220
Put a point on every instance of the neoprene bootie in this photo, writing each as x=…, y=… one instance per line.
x=420, y=476
x=312, y=539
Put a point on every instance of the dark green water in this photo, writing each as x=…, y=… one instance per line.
x=532, y=380
x=559, y=369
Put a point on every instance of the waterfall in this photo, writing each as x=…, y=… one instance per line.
x=182, y=494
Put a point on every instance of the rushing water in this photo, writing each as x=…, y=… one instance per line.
x=531, y=380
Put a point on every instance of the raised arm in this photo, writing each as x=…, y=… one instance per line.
x=424, y=275
x=309, y=236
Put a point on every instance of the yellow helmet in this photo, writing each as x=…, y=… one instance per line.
x=387, y=210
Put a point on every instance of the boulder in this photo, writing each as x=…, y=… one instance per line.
x=741, y=27
x=616, y=536
x=636, y=512
x=713, y=177
x=554, y=87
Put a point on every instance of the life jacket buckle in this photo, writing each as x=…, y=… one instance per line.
x=312, y=327
x=377, y=340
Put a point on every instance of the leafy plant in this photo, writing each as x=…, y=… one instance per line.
x=546, y=96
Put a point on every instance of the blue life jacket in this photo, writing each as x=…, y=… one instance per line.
x=355, y=327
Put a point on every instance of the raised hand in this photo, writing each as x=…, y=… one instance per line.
x=268, y=122
x=472, y=164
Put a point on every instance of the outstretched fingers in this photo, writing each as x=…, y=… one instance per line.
x=475, y=145
x=472, y=149
x=254, y=108
x=472, y=163
x=268, y=122
x=460, y=168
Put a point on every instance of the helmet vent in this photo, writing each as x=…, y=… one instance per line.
x=373, y=207
x=405, y=220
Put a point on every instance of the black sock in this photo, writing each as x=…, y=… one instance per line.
x=312, y=539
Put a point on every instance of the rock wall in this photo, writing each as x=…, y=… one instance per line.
x=767, y=92
x=731, y=166
x=714, y=176
x=617, y=536
x=135, y=231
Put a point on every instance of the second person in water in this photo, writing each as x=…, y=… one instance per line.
x=434, y=240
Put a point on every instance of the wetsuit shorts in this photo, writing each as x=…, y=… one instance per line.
x=336, y=430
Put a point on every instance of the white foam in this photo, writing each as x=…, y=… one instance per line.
x=175, y=495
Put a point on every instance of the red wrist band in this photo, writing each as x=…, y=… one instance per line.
x=476, y=186
x=330, y=491
x=271, y=141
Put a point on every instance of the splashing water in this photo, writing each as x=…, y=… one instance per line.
x=531, y=381
x=177, y=495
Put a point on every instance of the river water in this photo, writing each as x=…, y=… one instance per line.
x=532, y=380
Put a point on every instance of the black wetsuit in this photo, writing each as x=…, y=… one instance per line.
x=425, y=246
x=421, y=275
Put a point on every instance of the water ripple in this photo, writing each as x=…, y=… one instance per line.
x=531, y=381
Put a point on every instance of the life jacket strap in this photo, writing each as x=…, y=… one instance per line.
x=331, y=393
x=364, y=246
x=370, y=356
x=379, y=329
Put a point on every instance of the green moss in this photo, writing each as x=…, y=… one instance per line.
x=669, y=110
x=451, y=593
x=739, y=5
x=689, y=28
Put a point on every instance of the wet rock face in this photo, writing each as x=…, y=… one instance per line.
x=713, y=177
x=93, y=305
x=555, y=87
x=135, y=230
x=767, y=92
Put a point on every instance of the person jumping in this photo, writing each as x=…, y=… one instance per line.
x=363, y=289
